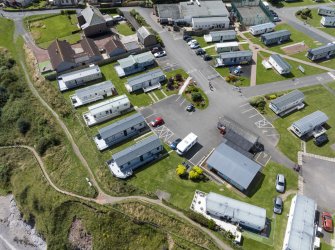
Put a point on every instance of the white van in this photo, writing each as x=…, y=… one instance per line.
x=186, y=143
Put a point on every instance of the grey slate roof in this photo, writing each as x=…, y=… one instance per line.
x=145, y=77
x=108, y=104
x=206, y=9
x=92, y=16
x=326, y=8
x=311, y=121
x=263, y=26
x=222, y=33
x=140, y=148
x=286, y=99
x=121, y=125
x=213, y=19
x=132, y=59
x=234, y=165
x=276, y=34
x=281, y=62
x=300, y=227
x=168, y=11
x=237, y=210
x=322, y=49
x=93, y=88
x=80, y=73
x=236, y=54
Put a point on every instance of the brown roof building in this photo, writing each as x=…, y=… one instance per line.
x=114, y=47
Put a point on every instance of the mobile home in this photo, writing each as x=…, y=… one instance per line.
x=328, y=21
x=226, y=47
x=187, y=143
x=220, y=36
x=287, y=103
x=134, y=63
x=326, y=11
x=234, y=58
x=276, y=37
x=279, y=64
x=322, y=52
x=146, y=82
x=262, y=28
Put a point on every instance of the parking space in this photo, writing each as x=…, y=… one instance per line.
x=166, y=64
x=262, y=158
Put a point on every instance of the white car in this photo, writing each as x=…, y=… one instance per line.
x=194, y=46
x=192, y=41
x=280, y=183
x=160, y=54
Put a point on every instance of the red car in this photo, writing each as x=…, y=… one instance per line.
x=157, y=122
x=327, y=222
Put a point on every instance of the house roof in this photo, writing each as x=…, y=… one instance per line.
x=145, y=77
x=60, y=51
x=140, y=148
x=214, y=19
x=121, y=125
x=281, y=62
x=276, y=34
x=227, y=44
x=113, y=44
x=89, y=47
x=322, y=49
x=222, y=33
x=221, y=206
x=143, y=32
x=328, y=18
x=299, y=233
x=108, y=104
x=80, y=73
x=205, y=9
x=92, y=16
x=263, y=26
x=132, y=59
x=168, y=11
x=326, y=8
x=286, y=99
x=311, y=121
x=235, y=54
x=234, y=165
x=80, y=93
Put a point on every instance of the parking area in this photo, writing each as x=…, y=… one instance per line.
x=166, y=64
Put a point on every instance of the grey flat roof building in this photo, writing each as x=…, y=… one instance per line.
x=309, y=122
x=144, y=77
x=234, y=54
x=80, y=93
x=285, y=101
x=237, y=168
x=245, y=214
x=300, y=229
x=276, y=34
x=206, y=9
x=223, y=33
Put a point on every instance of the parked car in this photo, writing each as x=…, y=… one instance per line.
x=174, y=144
x=157, y=122
x=192, y=41
x=327, y=222
x=189, y=39
x=195, y=46
x=273, y=12
x=190, y=108
x=320, y=140
x=185, y=37
x=200, y=51
x=156, y=49
x=280, y=183
x=118, y=18
x=276, y=19
x=207, y=57
x=278, y=205
x=160, y=54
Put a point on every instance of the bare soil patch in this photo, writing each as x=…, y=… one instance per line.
x=79, y=238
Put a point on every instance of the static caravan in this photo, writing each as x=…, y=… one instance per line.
x=326, y=11
x=276, y=37
x=279, y=64
x=187, y=143
x=206, y=23
x=322, y=52
x=106, y=110
x=234, y=58
x=328, y=21
x=287, y=103
x=78, y=78
x=226, y=47
x=134, y=63
x=262, y=28
x=146, y=82
x=92, y=93
x=220, y=36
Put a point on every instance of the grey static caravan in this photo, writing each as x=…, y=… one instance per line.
x=262, y=28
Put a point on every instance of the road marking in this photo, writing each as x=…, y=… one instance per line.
x=331, y=75
x=182, y=102
x=153, y=99
x=253, y=115
x=150, y=115
x=7, y=243
x=273, y=135
x=245, y=111
x=154, y=95
x=244, y=105
x=163, y=93
x=268, y=160
x=178, y=98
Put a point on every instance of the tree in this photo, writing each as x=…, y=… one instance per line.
x=193, y=175
x=181, y=170
x=23, y=126
x=196, y=97
x=198, y=170
x=178, y=77
x=170, y=83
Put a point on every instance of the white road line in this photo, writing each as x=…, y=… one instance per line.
x=178, y=98
x=7, y=243
x=150, y=115
x=267, y=161
x=182, y=102
x=245, y=111
x=194, y=156
x=331, y=75
x=273, y=135
x=244, y=105
x=253, y=115
x=163, y=93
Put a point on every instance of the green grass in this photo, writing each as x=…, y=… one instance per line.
x=124, y=29
x=244, y=46
x=271, y=75
x=173, y=73
x=56, y=26
x=325, y=246
x=204, y=103
x=242, y=82
x=201, y=41
x=331, y=85
x=7, y=27
x=211, y=51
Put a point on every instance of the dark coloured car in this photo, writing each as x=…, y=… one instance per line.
x=320, y=140
x=278, y=205
x=156, y=50
x=200, y=51
x=189, y=39
x=185, y=37
x=190, y=108
x=174, y=144
x=207, y=57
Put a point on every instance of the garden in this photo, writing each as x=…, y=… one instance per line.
x=196, y=96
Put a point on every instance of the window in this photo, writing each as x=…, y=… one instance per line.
x=107, y=112
x=132, y=128
x=125, y=105
x=158, y=148
x=141, y=158
x=128, y=163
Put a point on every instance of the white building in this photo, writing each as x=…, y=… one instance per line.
x=146, y=82
x=287, y=103
x=220, y=36
x=92, y=93
x=328, y=21
x=279, y=64
x=79, y=77
x=226, y=47
x=106, y=110
x=262, y=28
x=205, y=23
x=326, y=11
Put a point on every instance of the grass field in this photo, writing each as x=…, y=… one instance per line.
x=211, y=51
x=173, y=73
x=271, y=75
x=124, y=29
x=201, y=41
x=242, y=82
x=46, y=30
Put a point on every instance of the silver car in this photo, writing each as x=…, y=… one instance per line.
x=278, y=205
x=280, y=183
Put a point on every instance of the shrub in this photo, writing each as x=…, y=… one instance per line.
x=181, y=170
x=196, y=97
x=23, y=126
x=5, y=174
x=273, y=97
x=45, y=143
x=303, y=17
x=178, y=77
x=198, y=170
x=298, y=12
x=257, y=102
x=193, y=175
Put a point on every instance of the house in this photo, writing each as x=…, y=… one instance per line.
x=78, y=78
x=92, y=93
x=326, y=11
x=64, y=2
x=301, y=228
x=246, y=215
x=328, y=21
x=92, y=22
x=106, y=110
x=262, y=28
x=220, y=36
x=145, y=37
x=115, y=47
x=279, y=64
x=323, y=52
x=276, y=37
x=126, y=161
x=208, y=23
x=63, y=56
x=234, y=167
x=134, y=63
x=18, y=3
x=287, y=103
x=310, y=124
x=121, y=130
x=226, y=47
x=146, y=82
x=234, y=58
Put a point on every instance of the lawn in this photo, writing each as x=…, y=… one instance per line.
x=331, y=85
x=201, y=41
x=124, y=29
x=316, y=98
x=46, y=28
x=7, y=27
x=242, y=82
x=211, y=51
x=173, y=73
x=188, y=93
x=271, y=75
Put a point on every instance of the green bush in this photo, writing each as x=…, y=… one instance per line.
x=257, y=102
x=5, y=174
x=23, y=126
x=45, y=143
x=298, y=12
x=181, y=170
x=196, y=97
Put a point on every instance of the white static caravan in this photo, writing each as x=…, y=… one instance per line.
x=326, y=11
x=106, y=110
x=220, y=36
x=328, y=21
x=279, y=64
x=262, y=28
x=187, y=143
x=92, y=93
x=226, y=47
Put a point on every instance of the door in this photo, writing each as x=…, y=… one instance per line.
x=125, y=132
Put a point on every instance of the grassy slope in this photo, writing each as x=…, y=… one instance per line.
x=124, y=29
